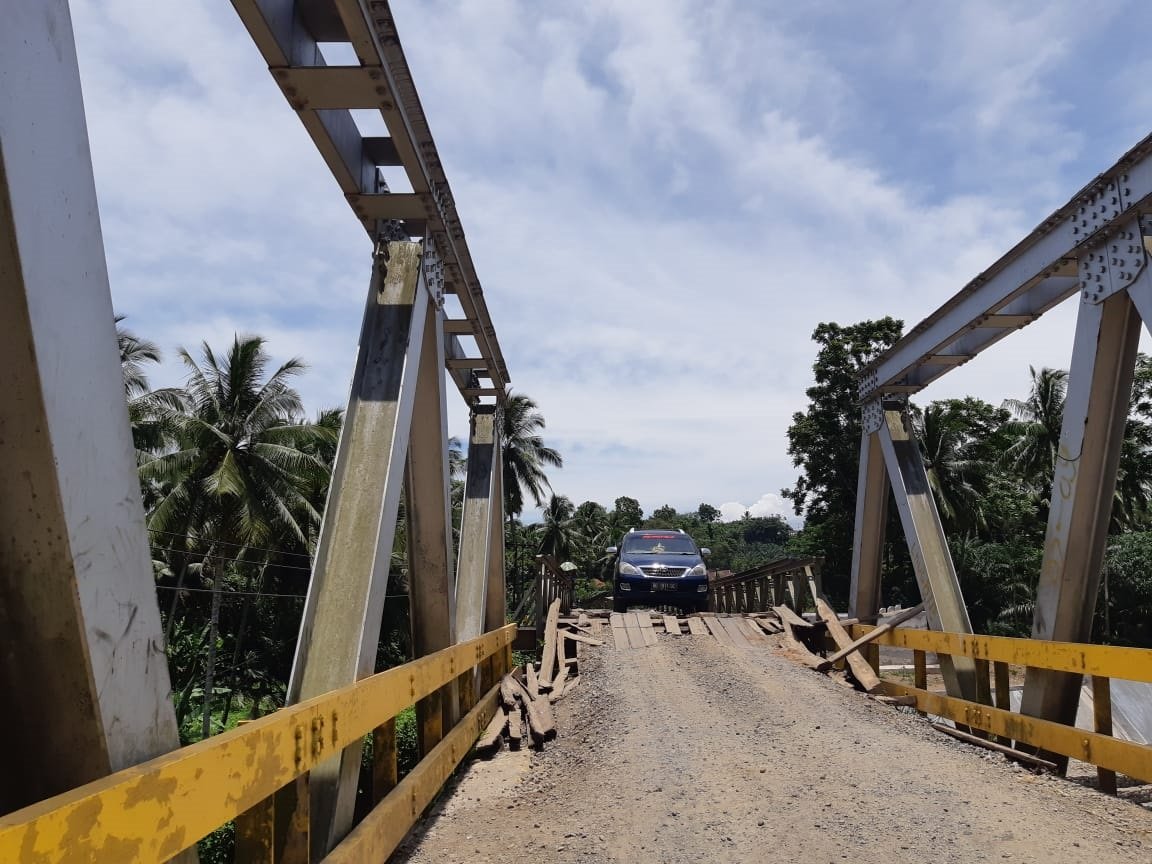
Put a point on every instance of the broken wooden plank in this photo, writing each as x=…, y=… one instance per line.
x=859, y=666
x=787, y=616
x=696, y=627
x=491, y=741
x=717, y=629
x=736, y=632
x=508, y=692
x=754, y=633
x=1010, y=752
x=532, y=683
x=671, y=625
x=890, y=624
x=797, y=648
x=548, y=655
x=766, y=625
x=580, y=637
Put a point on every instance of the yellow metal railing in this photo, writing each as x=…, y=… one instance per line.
x=992, y=714
x=153, y=811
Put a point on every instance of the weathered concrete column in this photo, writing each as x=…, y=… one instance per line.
x=872, y=489
x=342, y=615
x=931, y=559
x=83, y=675
x=431, y=558
x=496, y=601
x=1084, y=482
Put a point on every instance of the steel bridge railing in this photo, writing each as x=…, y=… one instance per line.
x=257, y=774
x=992, y=714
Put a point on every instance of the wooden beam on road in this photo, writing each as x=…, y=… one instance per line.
x=859, y=666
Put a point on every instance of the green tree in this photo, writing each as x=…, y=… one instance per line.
x=240, y=478
x=525, y=458
x=1036, y=427
x=626, y=514
x=558, y=536
x=824, y=441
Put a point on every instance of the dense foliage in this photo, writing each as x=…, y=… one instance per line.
x=990, y=469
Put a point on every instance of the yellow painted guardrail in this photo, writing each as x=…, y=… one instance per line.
x=153, y=811
x=1100, y=662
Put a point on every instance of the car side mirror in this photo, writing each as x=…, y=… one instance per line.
x=611, y=550
x=705, y=551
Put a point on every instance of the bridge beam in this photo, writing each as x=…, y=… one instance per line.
x=931, y=559
x=83, y=674
x=340, y=629
x=1083, y=485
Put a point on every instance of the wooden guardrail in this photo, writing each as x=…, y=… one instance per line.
x=992, y=712
x=759, y=589
x=257, y=774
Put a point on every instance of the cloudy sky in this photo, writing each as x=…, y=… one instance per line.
x=662, y=198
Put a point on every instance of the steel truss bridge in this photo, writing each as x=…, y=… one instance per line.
x=94, y=771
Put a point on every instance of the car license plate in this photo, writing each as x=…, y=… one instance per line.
x=665, y=586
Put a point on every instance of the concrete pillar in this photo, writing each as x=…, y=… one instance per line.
x=342, y=615
x=83, y=675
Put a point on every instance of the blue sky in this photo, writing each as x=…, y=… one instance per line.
x=662, y=198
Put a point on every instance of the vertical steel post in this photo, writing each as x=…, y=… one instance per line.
x=496, y=601
x=1084, y=481
x=931, y=559
x=871, y=519
x=340, y=630
x=428, y=507
x=83, y=673
x=476, y=526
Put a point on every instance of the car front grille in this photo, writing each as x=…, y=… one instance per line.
x=664, y=572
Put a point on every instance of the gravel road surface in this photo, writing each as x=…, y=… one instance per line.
x=693, y=751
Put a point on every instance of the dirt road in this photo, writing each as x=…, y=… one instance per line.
x=691, y=751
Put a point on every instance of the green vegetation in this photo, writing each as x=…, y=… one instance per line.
x=990, y=470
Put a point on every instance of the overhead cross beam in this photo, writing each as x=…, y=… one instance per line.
x=1035, y=275
x=288, y=35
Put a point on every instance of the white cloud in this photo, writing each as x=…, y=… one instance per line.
x=768, y=504
x=663, y=199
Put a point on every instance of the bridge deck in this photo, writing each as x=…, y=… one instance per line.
x=697, y=750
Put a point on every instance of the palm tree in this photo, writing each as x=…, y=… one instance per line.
x=242, y=473
x=956, y=474
x=1037, y=426
x=148, y=409
x=525, y=456
x=558, y=533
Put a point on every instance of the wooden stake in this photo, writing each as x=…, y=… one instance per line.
x=873, y=634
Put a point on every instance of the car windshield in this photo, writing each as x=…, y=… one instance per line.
x=659, y=544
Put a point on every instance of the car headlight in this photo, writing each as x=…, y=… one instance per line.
x=629, y=570
x=701, y=589
x=698, y=570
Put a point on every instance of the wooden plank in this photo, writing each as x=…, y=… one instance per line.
x=736, y=632
x=861, y=670
x=580, y=637
x=491, y=739
x=548, y=655
x=671, y=625
x=717, y=630
x=999, y=748
x=1102, y=717
x=696, y=627
x=632, y=625
x=532, y=682
x=754, y=634
x=385, y=774
x=644, y=621
x=619, y=631
x=786, y=615
x=891, y=624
